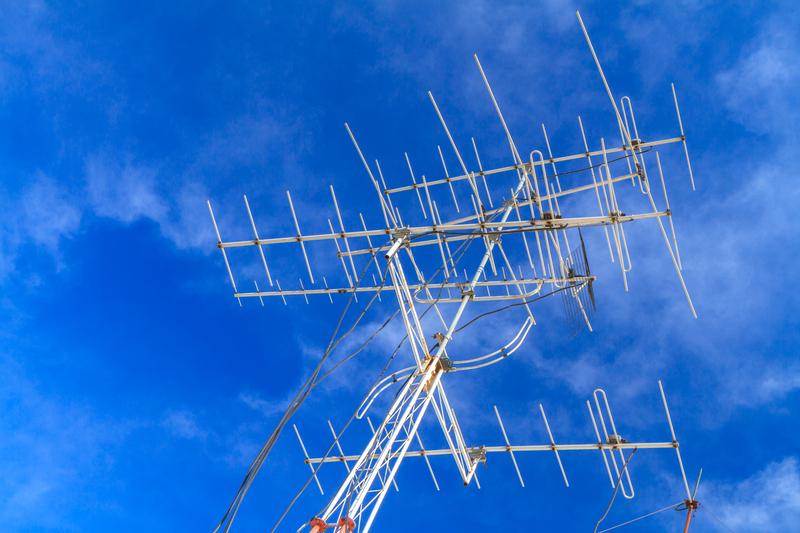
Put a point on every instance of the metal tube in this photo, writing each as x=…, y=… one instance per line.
x=527, y=166
x=483, y=175
x=300, y=237
x=387, y=213
x=471, y=180
x=308, y=461
x=222, y=249
x=255, y=233
x=416, y=189
x=344, y=233
x=447, y=175
x=683, y=135
x=674, y=440
x=508, y=445
x=667, y=208
x=553, y=443
x=594, y=181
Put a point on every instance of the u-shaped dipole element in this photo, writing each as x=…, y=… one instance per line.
x=683, y=135
x=625, y=102
x=616, y=226
x=596, y=186
x=600, y=442
x=557, y=182
x=634, y=135
x=613, y=438
x=546, y=234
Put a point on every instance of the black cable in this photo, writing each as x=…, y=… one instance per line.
x=517, y=304
x=294, y=405
x=330, y=448
x=458, y=255
x=590, y=167
x=616, y=489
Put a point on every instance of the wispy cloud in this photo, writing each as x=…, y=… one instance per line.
x=184, y=425
x=760, y=90
x=44, y=214
x=769, y=500
x=57, y=448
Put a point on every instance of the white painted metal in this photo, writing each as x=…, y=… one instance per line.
x=422, y=385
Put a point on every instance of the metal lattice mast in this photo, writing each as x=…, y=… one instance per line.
x=533, y=207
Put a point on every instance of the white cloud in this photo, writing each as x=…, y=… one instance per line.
x=769, y=500
x=123, y=191
x=48, y=213
x=56, y=448
x=761, y=88
x=43, y=214
x=267, y=408
x=184, y=425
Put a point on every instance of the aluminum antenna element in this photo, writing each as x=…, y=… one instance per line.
x=519, y=238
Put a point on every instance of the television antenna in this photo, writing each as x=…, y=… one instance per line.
x=527, y=223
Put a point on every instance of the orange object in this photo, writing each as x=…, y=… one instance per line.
x=691, y=506
x=318, y=525
x=345, y=525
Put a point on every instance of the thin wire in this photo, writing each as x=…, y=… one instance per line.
x=517, y=304
x=357, y=350
x=716, y=518
x=674, y=506
x=590, y=167
x=460, y=251
x=294, y=405
x=328, y=451
x=458, y=255
x=616, y=489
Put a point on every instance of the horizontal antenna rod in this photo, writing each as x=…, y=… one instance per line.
x=521, y=448
x=527, y=165
x=530, y=225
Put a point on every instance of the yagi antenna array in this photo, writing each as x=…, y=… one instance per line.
x=535, y=218
x=609, y=442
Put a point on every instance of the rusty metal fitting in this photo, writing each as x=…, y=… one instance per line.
x=318, y=525
x=345, y=525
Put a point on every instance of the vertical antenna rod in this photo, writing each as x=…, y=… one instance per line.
x=224, y=255
x=300, y=237
x=683, y=135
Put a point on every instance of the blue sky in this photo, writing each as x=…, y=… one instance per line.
x=135, y=390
